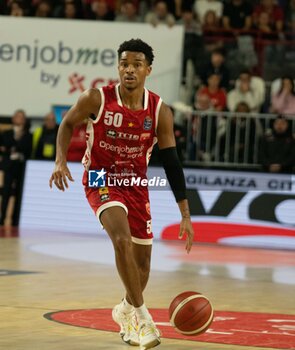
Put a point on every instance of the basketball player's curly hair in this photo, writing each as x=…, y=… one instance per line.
x=137, y=45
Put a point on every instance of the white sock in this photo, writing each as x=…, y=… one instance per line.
x=125, y=306
x=142, y=313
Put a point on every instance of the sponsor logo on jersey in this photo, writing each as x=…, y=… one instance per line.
x=122, y=135
x=121, y=149
x=103, y=190
x=126, y=136
x=111, y=133
x=145, y=136
x=104, y=197
x=97, y=178
x=147, y=124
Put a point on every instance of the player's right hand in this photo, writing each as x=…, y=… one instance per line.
x=59, y=177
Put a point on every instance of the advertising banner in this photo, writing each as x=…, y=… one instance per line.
x=236, y=208
x=45, y=62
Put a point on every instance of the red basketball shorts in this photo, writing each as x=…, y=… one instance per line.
x=135, y=202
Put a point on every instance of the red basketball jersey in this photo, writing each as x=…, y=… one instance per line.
x=119, y=139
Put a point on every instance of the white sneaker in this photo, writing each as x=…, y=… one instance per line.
x=149, y=335
x=128, y=325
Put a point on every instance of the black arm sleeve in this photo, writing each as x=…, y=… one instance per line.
x=174, y=172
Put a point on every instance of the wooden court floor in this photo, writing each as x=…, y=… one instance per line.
x=64, y=283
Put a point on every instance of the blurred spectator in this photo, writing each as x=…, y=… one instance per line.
x=248, y=89
x=99, y=10
x=217, y=66
x=128, y=12
x=111, y=4
x=210, y=24
x=69, y=9
x=119, y=3
x=202, y=7
x=77, y=145
x=201, y=125
x=290, y=16
x=17, y=9
x=283, y=102
x=43, y=9
x=175, y=7
x=215, y=93
x=160, y=15
x=277, y=151
x=211, y=29
x=275, y=14
x=202, y=102
x=273, y=52
x=238, y=140
x=44, y=139
x=237, y=15
x=192, y=48
x=188, y=19
x=16, y=148
x=264, y=27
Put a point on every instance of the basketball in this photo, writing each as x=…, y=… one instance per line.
x=190, y=313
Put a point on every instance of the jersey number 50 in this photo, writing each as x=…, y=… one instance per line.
x=113, y=119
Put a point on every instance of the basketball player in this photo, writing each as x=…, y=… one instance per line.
x=124, y=122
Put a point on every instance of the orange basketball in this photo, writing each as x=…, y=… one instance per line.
x=190, y=313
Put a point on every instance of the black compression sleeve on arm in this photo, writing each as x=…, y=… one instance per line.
x=174, y=172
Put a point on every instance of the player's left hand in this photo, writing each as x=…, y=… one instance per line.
x=187, y=228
